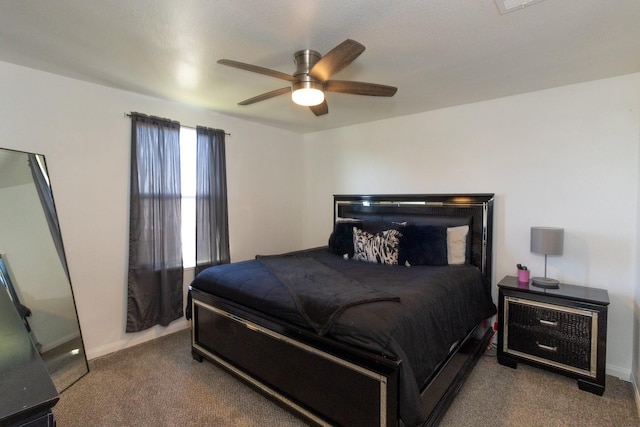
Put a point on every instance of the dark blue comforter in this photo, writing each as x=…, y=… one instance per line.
x=437, y=306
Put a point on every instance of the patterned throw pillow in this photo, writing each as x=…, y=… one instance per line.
x=381, y=248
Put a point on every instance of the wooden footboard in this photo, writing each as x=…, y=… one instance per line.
x=323, y=380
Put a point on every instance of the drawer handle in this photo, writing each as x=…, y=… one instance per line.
x=548, y=323
x=547, y=347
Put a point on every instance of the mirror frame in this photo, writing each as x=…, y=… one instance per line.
x=5, y=276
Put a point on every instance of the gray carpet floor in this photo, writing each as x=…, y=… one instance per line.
x=158, y=384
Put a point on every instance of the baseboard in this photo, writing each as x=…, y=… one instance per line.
x=138, y=338
x=616, y=371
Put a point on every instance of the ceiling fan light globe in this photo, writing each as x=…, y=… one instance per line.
x=307, y=97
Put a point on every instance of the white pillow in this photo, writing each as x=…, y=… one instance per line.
x=457, y=244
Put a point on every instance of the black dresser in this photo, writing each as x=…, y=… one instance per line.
x=27, y=393
x=563, y=330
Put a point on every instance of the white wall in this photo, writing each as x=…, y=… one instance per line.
x=566, y=157
x=82, y=131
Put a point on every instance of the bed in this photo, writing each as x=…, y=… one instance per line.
x=343, y=338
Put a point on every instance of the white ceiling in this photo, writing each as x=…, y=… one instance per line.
x=438, y=53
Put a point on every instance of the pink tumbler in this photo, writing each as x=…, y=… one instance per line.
x=523, y=276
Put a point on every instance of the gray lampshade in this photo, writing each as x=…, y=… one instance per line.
x=547, y=240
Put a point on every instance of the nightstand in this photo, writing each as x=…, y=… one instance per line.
x=563, y=330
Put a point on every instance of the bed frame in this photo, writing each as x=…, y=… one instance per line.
x=322, y=379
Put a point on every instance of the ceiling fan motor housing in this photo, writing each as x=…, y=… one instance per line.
x=305, y=60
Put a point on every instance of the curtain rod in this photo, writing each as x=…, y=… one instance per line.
x=190, y=127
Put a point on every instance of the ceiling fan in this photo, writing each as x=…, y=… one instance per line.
x=311, y=78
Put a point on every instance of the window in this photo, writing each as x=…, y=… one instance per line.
x=167, y=200
x=188, y=181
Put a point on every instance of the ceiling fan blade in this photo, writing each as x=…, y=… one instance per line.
x=320, y=109
x=359, y=88
x=336, y=59
x=256, y=69
x=267, y=95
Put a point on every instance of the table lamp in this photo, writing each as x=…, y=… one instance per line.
x=547, y=241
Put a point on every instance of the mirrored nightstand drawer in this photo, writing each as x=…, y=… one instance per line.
x=552, y=334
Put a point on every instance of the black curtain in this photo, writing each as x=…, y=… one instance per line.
x=155, y=248
x=212, y=224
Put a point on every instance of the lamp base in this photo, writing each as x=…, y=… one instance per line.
x=544, y=282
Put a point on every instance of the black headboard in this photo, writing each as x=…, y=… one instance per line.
x=441, y=209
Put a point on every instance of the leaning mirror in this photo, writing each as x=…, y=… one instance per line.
x=33, y=267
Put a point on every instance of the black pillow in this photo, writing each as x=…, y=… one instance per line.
x=423, y=245
x=375, y=227
x=341, y=239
